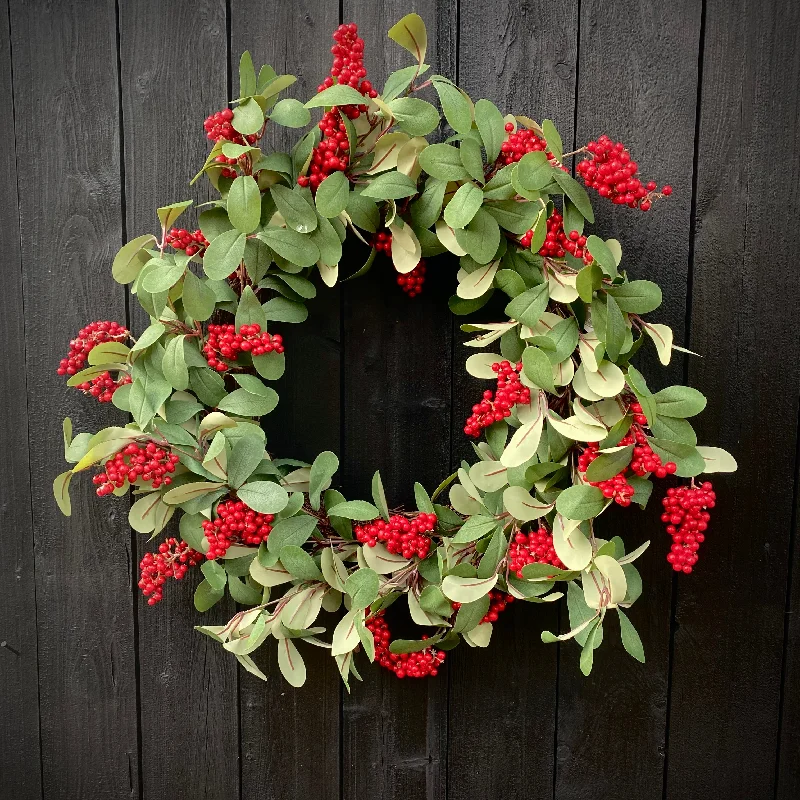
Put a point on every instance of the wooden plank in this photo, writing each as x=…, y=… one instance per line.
x=175, y=73
x=727, y=663
x=67, y=131
x=290, y=737
x=396, y=415
x=19, y=724
x=526, y=65
x=651, y=109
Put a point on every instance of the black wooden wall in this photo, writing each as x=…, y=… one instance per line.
x=103, y=697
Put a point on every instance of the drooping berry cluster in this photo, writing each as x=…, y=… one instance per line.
x=509, y=392
x=172, y=560
x=382, y=242
x=519, y=143
x=610, y=170
x=535, y=547
x=498, y=601
x=403, y=535
x=224, y=342
x=235, y=523
x=332, y=154
x=404, y=665
x=103, y=386
x=189, y=241
x=145, y=463
x=88, y=338
x=411, y=283
x=686, y=518
x=218, y=128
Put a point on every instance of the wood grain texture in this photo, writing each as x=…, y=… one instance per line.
x=19, y=722
x=300, y=727
x=64, y=67
x=727, y=668
x=174, y=73
x=641, y=89
x=396, y=417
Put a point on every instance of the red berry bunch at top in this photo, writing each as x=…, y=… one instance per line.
x=224, y=342
x=687, y=520
x=103, y=386
x=411, y=283
x=404, y=665
x=520, y=143
x=190, y=242
x=219, y=129
x=509, y=392
x=89, y=337
x=610, y=170
x=145, y=463
x=535, y=547
x=172, y=560
x=402, y=535
x=235, y=523
x=332, y=154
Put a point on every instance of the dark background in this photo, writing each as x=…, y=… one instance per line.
x=103, y=697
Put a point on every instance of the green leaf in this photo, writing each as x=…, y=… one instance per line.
x=679, y=401
x=637, y=297
x=463, y=206
x=607, y=465
x=391, y=185
x=332, y=194
x=422, y=499
x=265, y=497
x=534, y=171
x=249, y=310
x=399, y=80
x=294, y=530
x=630, y=637
x=243, y=593
x=514, y=216
x=379, y=495
x=589, y=279
x=686, y=456
x=443, y=161
x=299, y=563
x=476, y=527
x=270, y=365
x=414, y=116
x=131, y=258
x=490, y=124
x=470, y=615
x=498, y=545
x=616, y=328
x=208, y=385
x=291, y=245
x=146, y=396
x=205, y=596
x=247, y=75
x=602, y=255
x=162, y=275
x=291, y=663
x=551, y=136
x=481, y=237
x=529, y=306
x=537, y=368
x=173, y=364
x=425, y=210
x=580, y=502
x=674, y=429
x=362, y=587
x=245, y=456
x=575, y=192
x=322, y=470
x=465, y=590
x=359, y=510
x=199, y=300
x=167, y=215
x=244, y=404
x=215, y=575
x=339, y=94
x=280, y=309
x=410, y=34
x=472, y=159
x=248, y=117
x=587, y=654
x=224, y=254
x=61, y=492
x=457, y=107
x=290, y=113
x=244, y=204
x=295, y=209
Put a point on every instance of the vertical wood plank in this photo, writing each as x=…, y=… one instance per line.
x=174, y=66
x=19, y=724
x=67, y=133
x=290, y=737
x=727, y=663
x=522, y=58
x=396, y=414
x=640, y=88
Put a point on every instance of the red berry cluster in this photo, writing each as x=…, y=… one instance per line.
x=532, y=548
x=520, y=143
x=404, y=665
x=103, y=386
x=497, y=604
x=190, y=241
x=382, y=242
x=408, y=537
x=411, y=283
x=332, y=154
x=556, y=242
x=611, y=171
x=225, y=342
x=147, y=463
x=219, y=129
x=235, y=523
x=510, y=391
x=89, y=337
x=687, y=521
x=172, y=560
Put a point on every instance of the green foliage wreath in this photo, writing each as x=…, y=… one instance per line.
x=570, y=425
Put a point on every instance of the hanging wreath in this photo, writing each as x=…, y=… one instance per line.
x=570, y=425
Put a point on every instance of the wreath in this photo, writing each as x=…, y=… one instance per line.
x=569, y=424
